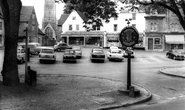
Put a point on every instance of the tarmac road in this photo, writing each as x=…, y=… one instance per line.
x=145, y=71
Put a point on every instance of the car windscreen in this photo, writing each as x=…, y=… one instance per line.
x=47, y=51
x=98, y=51
x=115, y=51
x=69, y=52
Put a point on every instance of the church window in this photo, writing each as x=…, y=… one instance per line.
x=49, y=32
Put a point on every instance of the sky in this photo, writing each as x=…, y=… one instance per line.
x=39, y=9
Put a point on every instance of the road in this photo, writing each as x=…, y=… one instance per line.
x=145, y=72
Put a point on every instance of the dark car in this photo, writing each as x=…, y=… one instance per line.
x=175, y=54
x=69, y=55
x=61, y=47
x=97, y=54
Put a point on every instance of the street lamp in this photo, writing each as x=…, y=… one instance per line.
x=128, y=21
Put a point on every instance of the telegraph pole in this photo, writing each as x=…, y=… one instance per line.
x=26, y=57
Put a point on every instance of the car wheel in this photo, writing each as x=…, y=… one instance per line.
x=40, y=61
x=167, y=55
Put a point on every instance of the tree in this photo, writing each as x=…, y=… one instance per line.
x=176, y=6
x=94, y=10
x=11, y=15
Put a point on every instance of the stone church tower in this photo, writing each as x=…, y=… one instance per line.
x=49, y=23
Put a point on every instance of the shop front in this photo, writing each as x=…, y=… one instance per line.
x=154, y=42
x=83, y=38
x=174, y=42
x=113, y=40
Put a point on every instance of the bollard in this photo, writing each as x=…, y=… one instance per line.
x=132, y=91
x=32, y=77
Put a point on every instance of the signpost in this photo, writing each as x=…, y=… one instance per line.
x=129, y=37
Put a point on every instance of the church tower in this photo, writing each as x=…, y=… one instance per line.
x=49, y=14
x=49, y=22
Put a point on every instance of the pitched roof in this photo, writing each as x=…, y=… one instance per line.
x=82, y=15
x=62, y=19
x=26, y=12
x=40, y=32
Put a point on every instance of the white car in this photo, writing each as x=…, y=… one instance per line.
x=115, y=54
x=21, y=56
x=47, y=54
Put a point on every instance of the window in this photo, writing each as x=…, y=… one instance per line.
x=176, y=46
x=173, y=27
x=153, y=27
x=94, y=27
x=74, y=18
x=49, y=32
x=98, y=27
x=70, y=27
x=134, y=25
x=115, y=18
x=1, y=39
x=133, y=16
x=157, y=41
x=1, y=25
x=115, y=27
x=77, y=27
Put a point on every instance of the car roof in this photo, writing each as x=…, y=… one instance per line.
x=113, y=47
x=47, y=48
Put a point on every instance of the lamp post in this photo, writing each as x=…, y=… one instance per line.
x=128, y=61
x=26, y=56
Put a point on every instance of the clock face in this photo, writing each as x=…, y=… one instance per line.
x=129, y=36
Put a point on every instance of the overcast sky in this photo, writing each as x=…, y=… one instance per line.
x=39, y=8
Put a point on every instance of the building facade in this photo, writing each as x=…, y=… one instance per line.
x=74, y=33
x=163, y=32
x=28, y=20
x=49, y=23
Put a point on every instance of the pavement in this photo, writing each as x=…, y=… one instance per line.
x=69, y=92
x=74, y=92
x=175, y=72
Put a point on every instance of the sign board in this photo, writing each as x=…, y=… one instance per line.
x=129, y=36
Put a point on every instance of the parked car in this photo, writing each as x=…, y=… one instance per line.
x=115, y=54
x=78, y=51
x=33, y=46
x=97, y=54
x=175, y=54
x=21, y=56
x=61, y=46
x=69, y=55
x=47, y=54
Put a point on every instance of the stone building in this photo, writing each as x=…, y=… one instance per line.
x=49, y=23
x=28, y=20
x=163, y=32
